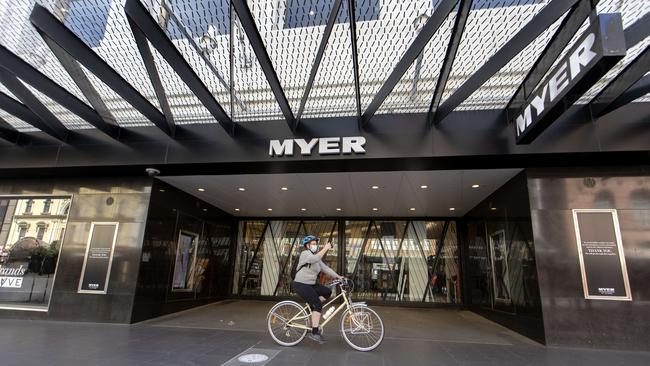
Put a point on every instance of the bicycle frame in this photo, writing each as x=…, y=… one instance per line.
x=345, y=304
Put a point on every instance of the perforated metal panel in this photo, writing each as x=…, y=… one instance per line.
x=69, y=119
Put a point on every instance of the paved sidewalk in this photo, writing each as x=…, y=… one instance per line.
x=181, y=339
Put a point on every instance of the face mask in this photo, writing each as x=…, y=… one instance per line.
x=313, y=249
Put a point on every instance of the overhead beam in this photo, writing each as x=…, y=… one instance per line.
x=526, y=35
x=331, y=20
x=256, y=42
x=578, y=14
x=8, y=132
x=428, y=30
x=355, y=54
x=636, y=91
x=144, y=28
x=46, y=121
x=52, y=30
x=54, y=91
x=611, y=93
x=450, y=56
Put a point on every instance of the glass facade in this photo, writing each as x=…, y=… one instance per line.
x=30, y=240
x=266, y=251
x=502, y=266
x=413, y=261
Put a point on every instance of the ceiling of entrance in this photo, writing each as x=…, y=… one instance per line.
x=272, y=60
x=396, y=194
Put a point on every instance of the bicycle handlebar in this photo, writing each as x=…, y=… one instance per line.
x=345, y=283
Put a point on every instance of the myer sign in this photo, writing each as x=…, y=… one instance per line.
x=323, y=146
x=596, y=51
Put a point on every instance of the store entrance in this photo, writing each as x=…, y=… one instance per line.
x=394, y=233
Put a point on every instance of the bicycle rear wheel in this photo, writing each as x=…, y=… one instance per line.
x=277, y=320
x=362, y=328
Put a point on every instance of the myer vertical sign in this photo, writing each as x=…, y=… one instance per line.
x=596, y=51
x=323, y=145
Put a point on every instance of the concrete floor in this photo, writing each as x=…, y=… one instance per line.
x=215, y=334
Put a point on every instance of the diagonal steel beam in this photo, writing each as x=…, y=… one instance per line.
x=452, y=49
x=526, y=35
x=428, y=30
x=53, y=31
x=633, y=72
x=45, y=121
x=563, y=35
x=144, y=28
x=355, y=53
x=8, y=132
x=45, y=85
x=255, y=39
x=612, y=95
x=639, y=89
x=319, y=57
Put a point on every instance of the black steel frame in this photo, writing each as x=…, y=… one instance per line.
x=450, y=56
x=569, y=27
x=40, y=117
x=255, y=39
x=47, y=86
x=55, y=32
x=540, y=22
x=144, y=28
x=428, y=30
x=331, y=20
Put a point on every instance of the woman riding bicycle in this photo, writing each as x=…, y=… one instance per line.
x=310, y=265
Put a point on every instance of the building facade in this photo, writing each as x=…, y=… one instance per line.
x=486, y=155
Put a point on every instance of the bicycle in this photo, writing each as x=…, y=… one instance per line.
x=288, y=322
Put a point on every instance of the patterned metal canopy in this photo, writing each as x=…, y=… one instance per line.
x=260, y=60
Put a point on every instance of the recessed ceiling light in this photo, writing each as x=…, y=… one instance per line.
x=284, y=188
x=338, y=209
x=269, y=209
x=201, y=189
x=328, y=188
x=493, y=208
x=412, y=208
x=475, y=186
x=375, y=187
x=237, y=210
x=424, y=186
x=205, y=209
x=375, y=209
x=161, y=190
x=452, y=208
x=241, y=189
x=303, y=209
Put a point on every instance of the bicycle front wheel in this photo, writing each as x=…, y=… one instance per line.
x=362, y=328
x=277, y=322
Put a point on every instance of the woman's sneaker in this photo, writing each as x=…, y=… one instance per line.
x=317, y=337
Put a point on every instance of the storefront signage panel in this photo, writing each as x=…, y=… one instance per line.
x=322, y=146
x=600, y=47
x=99, y=257
x=602, y=259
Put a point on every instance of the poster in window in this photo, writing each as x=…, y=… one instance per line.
x=602, y=259
x=99, y=257
x=186, y=249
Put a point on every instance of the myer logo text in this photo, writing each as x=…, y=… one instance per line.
x=323, y=146
x=567, y=71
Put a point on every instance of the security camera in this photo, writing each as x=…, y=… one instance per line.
x=152, y=172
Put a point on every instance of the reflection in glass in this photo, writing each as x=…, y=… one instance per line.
x=29, y=249
x=185, y=265
x=267, y=249
x=403, y=260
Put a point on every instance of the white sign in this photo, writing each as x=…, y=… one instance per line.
x=13, y=282
x=326, y=146
x=555, y=85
